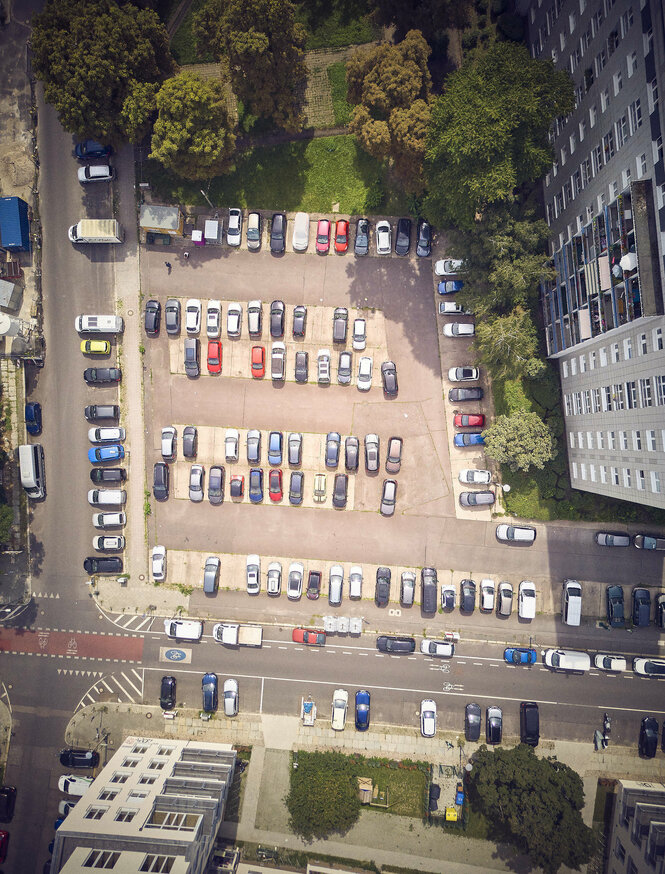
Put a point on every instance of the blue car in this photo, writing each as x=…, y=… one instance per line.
x=520, y=655
x=256, y=485
x=275, y=448
x=470, y=438
x=362, y=710
x=91, y=149
x=450, y=286
x=33, y=418
x=209, y=690
x=112, y=452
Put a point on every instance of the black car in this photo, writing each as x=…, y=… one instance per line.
x=299, y=321
x=382, y=587
x=389, y=379
x=160, y=480
x=296, y=486
x=278, y=233
x=340, y=490
x=455, y=395
x=302, y=366
x=89, y=149
x=7, y=803
x=216, y=484
x=529, y=723
x=71, y=758
x=467, y=596
x=659, y=618
x=189, y=441
x=641, y=607
x=472, y=718
x=313, y=585
x=209, y=692
x=403, y=237
x=33, y=418
x=153, y=314
x=429, y=585
x=615, y=614
x=110, y=564
x=333, y=441
x=167, y=693
x=108, y=475
x=172, y=315
x=493, y=725
x=98, y=412
x=99, y=375
x=648, y=737
x=277, y=318
x=361, y=244
x=424, y=238
x=351, y=453
x=400, y=645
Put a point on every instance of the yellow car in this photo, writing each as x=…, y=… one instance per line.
x=95, y=347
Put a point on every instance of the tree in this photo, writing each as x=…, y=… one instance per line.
x=488, y=131
x=390, y=87
x=139, y=110
x=520, y=440
x=535, y=803
x=429, y=16
x=193, y=136
x=263, y=44
x=508, y=345
x=323, y=797
x=90, y=56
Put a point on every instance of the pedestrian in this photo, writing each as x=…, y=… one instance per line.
x=185, y=255
x=168, y=265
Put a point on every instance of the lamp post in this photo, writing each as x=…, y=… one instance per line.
x=207, y=198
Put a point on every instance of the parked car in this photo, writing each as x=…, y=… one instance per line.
x=103, y=347
x=231, y=444
x=230, y=697
x=300, y=239
x=299, y=321
x=469, y=420
x=388, y=497
x=609, y=538
x=459, y=329
x=335, y=585
x=237, y=486
x=649, y=542
x=193, y=316
x=189, y=441
x=355, y=582
x=323, y=367
x=102, y=375
x=319, y=492
x=383, y=238
x=211, y=575
x=472, y=719
x=428, y=717
x=167, y=693
x=450, y=286
x=160, y=481
x=296, y=487
x=340, y=324
x=253, y=571
x=90, y=149
x=71, y=784
x=372, y=452
x=394, y=455
x=529, y=723
x=397, y=645
x=213, y=319
x=196, y=478
x=274, y=578
x=493, y=725
x=407, y=588
x=333, y=444
x=109, y=564
x=389, y=379
x=477, y=499
x=448, y=267
x=108, y=543
x=169, y=443
x=98, y=412
x=234, y=320
x=448, y=597
x=403, y=236
x=340, y=703
x=429, y=585
x=517, y=534
x=277, y=316
x=609, y=662
x=255, y=485
x=95, y=173
x=361, y=244
x=505, y=598
x=463, y=374
x=648, y=742
x=659, y=617
x=641, y=607
x=302, y=366
x=364, y=379
x=473, y=477
x=295, y=581
x=362, y=710
x=309, y=636
x=467, y=596
x=323, y=237
x=487, y=594
x=192, y=367
x=214, y=358
x=275, y=485
x=526, y=600
x=75, y=758
x=278, y=361
x=344, y=366
x=209, y=693
x=313, y=585
x=254, y=231
x=615, y=613
x=351, y=453
x=258, y=362
x=459, y=395
x=468, y=438
x=382, y=587
x=359, y=336
x=109, y=520
x=437, y=648
x=275, y=443
x=341, y=236
x=520, y=655
x=234, y=227
x=340, y=490
x=100, y=475
x=158, y=563
x=423, y=238
x=106, y=453
x=216, y=485
x=172, y=316
x=278, y=233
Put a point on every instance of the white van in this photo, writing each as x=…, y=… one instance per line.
x=567, y=660
x=571, y=607
x=515, y=533
x=184, y=629
x=301, y=232
x=99, y=324
x=31, y=464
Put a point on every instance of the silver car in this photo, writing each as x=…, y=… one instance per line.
x=294, y=582
x=254, y=231
x=278, y=361
x=274, y=579
x=407, y=589
x=365, y=367
x=323, y=367
x=253, y=574
x=230, y=697
x=472, y=477
x=295, y=449
x=253, y=447
x=477, y=499
x=344, y=368
x=231, y=444
x=196, y=475
x=372, y=449
x=389, y=497
x=254, y=318
x=335, y=584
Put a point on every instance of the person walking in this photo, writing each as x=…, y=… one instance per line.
x=168, y=265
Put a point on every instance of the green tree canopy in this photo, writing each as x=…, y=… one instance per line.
x=90, y=57
x=535, y=803
x=520, y=440
x=139, y=110
x=508, y=345
x=488, y=131
x=263, y=44
x=193, y=136
x=429, y=16
x=390, y=87
x=323, y=797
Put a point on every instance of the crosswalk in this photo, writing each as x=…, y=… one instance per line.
x=132, y=622
x=123, y=687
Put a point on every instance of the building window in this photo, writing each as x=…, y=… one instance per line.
x=607, y=398
x=617, y=396
x=582, y=130
x=623, y=439
x=165, y=751
x=596, y=400
x=157, y=864
x=600, y=439
x=634, y=116
x=601, y=60
x=108, y=794
x=572, y=20
x=627, y=481
x=626, y=21
x=571, y=437
x=564, y=155
x=589, y=439
x=631, y=63
x=156, y=765
x=593, y=115
x=572, y=143
x=573, y=366
x=592, y=472
x=617, y=79
x=615, y=353
x=105, y=859
x=615, y=475
x=608, y=146
x=642, y=348
x=611, y=439
x=580, y=439
x=657, y=149
x=627, y=348
x=621, y=128
x=657, y=335
x=139, y=749
x=646, y=397
x=119, y=778
x=640, y=480
x=641, y=162
x=583, y=470
x=582, y=363
x=574, y=468
x=602, y=353
x=659, y=381
x=604, y=99
x=603, y=473
x=95, y=812
x=652, y=94
x=614, y=190
x=592, y=359
x=651, y=441
x=586, y=402
x=568, y=405
x=124, y=815
x=130, y=763
x=655, y=482
x=596, y=159
x=147, y=779
x=637, y=441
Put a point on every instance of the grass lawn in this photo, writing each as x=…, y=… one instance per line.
x=309, y=175
x=328, y=28
x=337, y=82
x=182, y=44
x=406, y=788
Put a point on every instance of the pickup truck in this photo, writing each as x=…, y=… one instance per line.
x=231, y=634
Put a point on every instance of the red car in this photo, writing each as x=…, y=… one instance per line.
x=469, y=420
x=258, y=362
x=214, y=356
x=341, y=235
x=275, y=484
x=237, y=485
x=323, y=236
x=308, y=636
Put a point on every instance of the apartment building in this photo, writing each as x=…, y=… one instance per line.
x=156, y=806
x=604, y=312
x=637, y=840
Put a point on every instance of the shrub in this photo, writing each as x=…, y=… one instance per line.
x=470, y=39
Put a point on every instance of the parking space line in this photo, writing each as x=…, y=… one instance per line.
x=122, y=689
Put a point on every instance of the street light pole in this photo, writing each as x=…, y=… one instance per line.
x=207, y=198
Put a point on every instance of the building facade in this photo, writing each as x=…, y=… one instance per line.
x=156, y=806
x=605, y=206
x=637, y=839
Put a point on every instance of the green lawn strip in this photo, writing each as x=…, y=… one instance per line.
x=307, y=175
x=337, y=82
x=183, y=47
x=405, y=782
x=327, y=27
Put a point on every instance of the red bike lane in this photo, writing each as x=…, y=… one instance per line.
x=71, y=644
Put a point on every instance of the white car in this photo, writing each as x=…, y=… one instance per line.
x=274, y=578
x=114, y=497
x=214, y=318
x=448, y=594
x=231, y=441
x=609, y=662
x=487, y=593
x=438, y=648
x=359, y=334
x=383, y=238
x=323, y=366
x=254, y=318
x=428, y=717
x=459, y=329
x=451, y=308
x=234, y=230
x=72, y=784
x=108, y=543
x=95, y=173
x=526, y=600
x=278, y=361
x=234, y=320
x=448, y=267
x=301, y=232
x=473, y=477
x=365, y=367
x=253, y=574
x=106, y=435
x=193, y=316
x=109, y=520
x=355, y=582
x=230, y=697
x=340, y=704
x=463, y=374
x=294, y=581
x=158, y=561
x=169, y=436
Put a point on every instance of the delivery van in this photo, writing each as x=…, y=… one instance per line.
x=184, y=629
x=31, y=464
x=567, y=660
x=99, y=324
